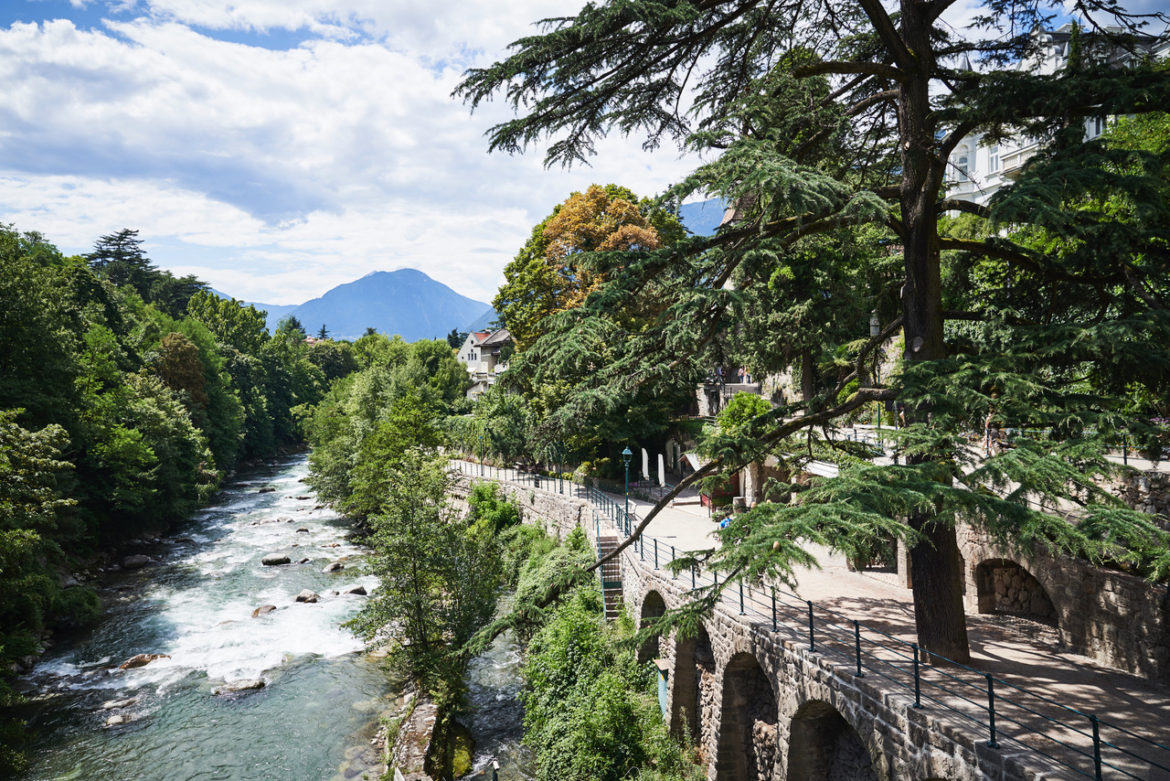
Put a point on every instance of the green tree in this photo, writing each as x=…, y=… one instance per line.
x=438, y=580
x=230, y=320
x=897, y=97
x=456, y=338
x=334, y=359
x=119, y=257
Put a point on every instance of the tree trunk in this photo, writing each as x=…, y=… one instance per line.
x=936, y=571
x=808, y=386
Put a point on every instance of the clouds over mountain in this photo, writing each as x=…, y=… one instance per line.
x=277, y=147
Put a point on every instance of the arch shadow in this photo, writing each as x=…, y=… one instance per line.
x=1006, y=587
x=823, y=746
x=693, y=689
x=748, y=739
x=653, y=606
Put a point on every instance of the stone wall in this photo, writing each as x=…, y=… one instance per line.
x=1148, y=492
x=862, y=729
x=1116, y=619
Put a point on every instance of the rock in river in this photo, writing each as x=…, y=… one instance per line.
x=269, y=490
x=359, y=590
x=137, y=561
x=141, y=660
x=275, y=559
x=307, y=596
x=262, y=610
x=336, y=566
x=235, y=687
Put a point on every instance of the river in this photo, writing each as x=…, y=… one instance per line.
x=316, y=713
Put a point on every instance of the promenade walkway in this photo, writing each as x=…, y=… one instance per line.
x=1015, y=651
x=1044, y=698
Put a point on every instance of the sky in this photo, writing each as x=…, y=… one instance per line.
x=277, y=148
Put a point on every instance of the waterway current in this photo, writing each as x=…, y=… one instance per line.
x=318, y=709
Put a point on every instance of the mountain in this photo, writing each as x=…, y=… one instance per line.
x=483, y=322
x=405, y=302
x=702, y=218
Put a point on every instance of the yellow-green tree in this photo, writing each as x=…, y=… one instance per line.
x=545, y=276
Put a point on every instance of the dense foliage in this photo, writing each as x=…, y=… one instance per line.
x=549, y=279
x=372, y=418
x=125, y=395
x=589, y=709
x=829, y=127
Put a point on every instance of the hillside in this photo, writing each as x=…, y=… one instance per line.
x=405, y=302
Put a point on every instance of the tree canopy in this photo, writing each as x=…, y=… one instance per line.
x=829, y=127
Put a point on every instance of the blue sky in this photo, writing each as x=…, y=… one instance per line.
x=277, y=148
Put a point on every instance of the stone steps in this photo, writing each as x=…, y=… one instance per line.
x=611, y=577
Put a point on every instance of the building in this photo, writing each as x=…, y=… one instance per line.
x=978, y=167
x=485, y=354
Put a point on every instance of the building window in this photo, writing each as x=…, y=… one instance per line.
x=993, y=158
x=1097, y=126
x=961, y=167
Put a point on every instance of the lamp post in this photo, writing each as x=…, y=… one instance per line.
x=875, y=328
x=627, y=454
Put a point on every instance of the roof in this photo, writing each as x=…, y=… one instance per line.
x=499, y=337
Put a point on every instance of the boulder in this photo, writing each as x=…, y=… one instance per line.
x=116, y=704
x=116, y=720
x=359, y=590
x=275, y=560
x=235, y=687
x=262, y=610
x=307, y=596
x=268, y=490
x=303, y=498
x=141, y=660
x=303, y=561
x=302, y=530
x=137, y=561
x=335, y=566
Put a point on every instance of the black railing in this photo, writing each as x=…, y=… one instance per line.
x=1003, y=714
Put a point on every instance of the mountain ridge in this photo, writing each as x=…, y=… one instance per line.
x=407, y=302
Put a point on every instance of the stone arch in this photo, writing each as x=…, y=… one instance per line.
x=1007, y=587
x=748, y=740
x=823, y=746
x=653, y=606
x=693, y=690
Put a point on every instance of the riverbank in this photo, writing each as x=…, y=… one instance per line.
x=254, y=684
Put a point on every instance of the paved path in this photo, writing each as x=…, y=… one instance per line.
x=1019, y=652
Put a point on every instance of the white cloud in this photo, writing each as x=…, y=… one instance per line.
x=275, y=174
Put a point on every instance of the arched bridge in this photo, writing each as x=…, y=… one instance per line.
x=774, y=687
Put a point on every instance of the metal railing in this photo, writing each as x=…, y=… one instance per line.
x=1002, y=714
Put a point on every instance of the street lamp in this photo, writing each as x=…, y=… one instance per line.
x=627, y=454
x=875, y=328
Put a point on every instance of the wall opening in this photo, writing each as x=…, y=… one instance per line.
x=823, y=746
x=1005, y=587
x=748, y=741
x=693, y=688
x=652, y=607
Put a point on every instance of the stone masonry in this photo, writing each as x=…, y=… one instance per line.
x=823, y=722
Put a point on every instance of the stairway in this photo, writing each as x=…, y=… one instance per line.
x=611, y=577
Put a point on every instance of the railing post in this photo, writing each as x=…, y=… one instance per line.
x=917, y=678
x=641, y=548
x=1096, y=747
x=741, y=597
x=655, y=553
x=857, y=647
x=693, y=586
x=1124, y=450
x=773, y=608
x=991, y=710
x=812, y=641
